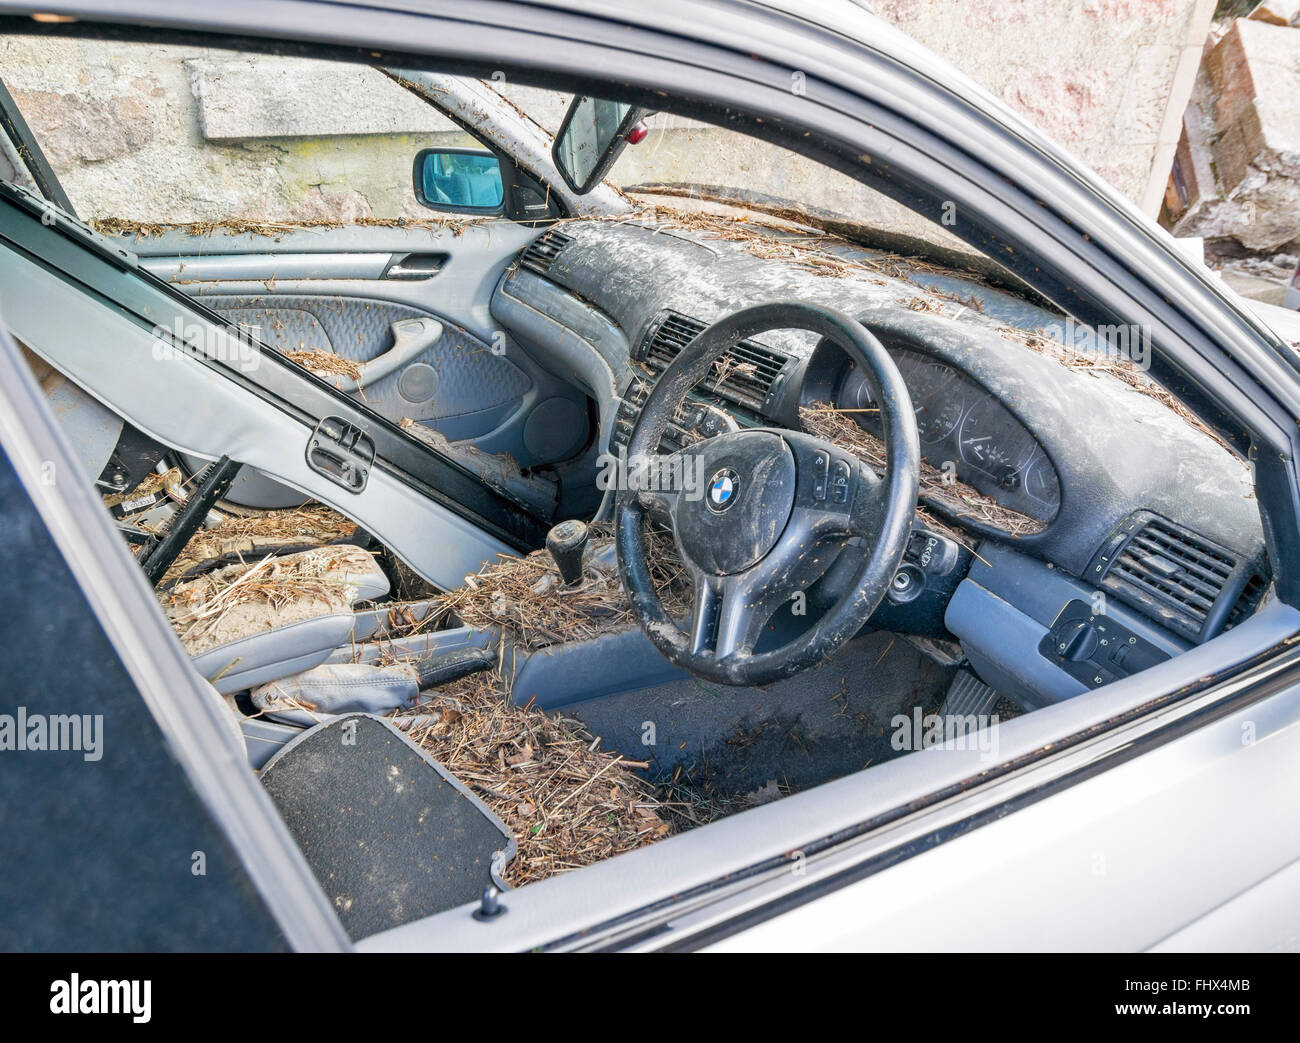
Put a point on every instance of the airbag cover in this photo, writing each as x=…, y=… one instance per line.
x=748, y=494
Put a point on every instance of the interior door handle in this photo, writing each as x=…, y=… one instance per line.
x=415, y=266
x=411, y=337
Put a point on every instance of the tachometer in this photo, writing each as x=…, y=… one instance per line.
x=926, y=377
x=938, y=416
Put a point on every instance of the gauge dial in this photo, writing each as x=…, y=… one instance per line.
x=860, y=394
x=992, y=445
x=855, y=398
x=1041, y=481
x=936, y=392
x=927, y=377
x=938, y=416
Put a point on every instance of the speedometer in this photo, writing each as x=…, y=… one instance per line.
x=992, y=445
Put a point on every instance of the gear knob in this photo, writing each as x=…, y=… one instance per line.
x=567, y=543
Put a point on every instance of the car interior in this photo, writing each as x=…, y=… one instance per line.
x=377, y=472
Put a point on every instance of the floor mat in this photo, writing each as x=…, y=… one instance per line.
x=389, y=834
x=718, y=749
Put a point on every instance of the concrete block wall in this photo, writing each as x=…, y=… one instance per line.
x=1108, y=79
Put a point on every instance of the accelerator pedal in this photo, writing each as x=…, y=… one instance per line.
x=968, y=695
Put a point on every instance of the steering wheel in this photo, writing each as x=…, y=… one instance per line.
x=775, y=508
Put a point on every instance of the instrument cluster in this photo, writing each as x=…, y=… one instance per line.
x=966, y=429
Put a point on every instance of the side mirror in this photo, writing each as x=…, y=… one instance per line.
x=460, y=180
x=593, y=135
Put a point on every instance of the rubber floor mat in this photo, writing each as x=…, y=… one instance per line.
x=390, y=834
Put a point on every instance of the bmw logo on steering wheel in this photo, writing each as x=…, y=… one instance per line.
x=724, y=487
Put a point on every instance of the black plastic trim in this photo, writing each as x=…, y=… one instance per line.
x=30, y=152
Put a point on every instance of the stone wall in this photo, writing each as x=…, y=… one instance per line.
x=1238, y=172
x=179, y=134
x=1108, y=79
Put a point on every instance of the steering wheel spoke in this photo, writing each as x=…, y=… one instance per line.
x=834, y=490
x=870, y=508
x=659, y=482
x=729, y=613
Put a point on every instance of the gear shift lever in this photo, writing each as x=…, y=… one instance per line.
x=567, y=543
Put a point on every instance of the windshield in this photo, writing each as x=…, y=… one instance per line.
x=693, y=163
x=276, y=140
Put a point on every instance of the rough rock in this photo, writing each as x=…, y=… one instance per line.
x=1277, y=12
x=1249, y=190
x=86, y=128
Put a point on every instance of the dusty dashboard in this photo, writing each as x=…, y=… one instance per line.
x=1113, y=485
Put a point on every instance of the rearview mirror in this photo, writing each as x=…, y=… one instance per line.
x=593, y=135
x=462, y=180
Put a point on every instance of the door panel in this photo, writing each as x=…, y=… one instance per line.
x=347, y=291
x=180, y=401
x=456, y=376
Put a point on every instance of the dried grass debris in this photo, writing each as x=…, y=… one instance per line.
x=252, y=534
x=132, y=229
x=568, y=802
x=526, y=598
x=325, y=363
x=241, y=599
x=770, y=241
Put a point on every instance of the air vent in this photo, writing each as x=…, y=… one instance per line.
x=1176, y=575
x=1248, y=600
x=543, y=250
x=744, y=375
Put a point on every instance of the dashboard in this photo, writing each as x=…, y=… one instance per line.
x=1074, y=473
x=965, y=431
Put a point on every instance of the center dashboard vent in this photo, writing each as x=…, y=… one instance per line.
x=1188, y=583
x=745, y=375
x=543, y=250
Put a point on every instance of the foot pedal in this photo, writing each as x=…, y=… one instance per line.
x=968, y=695
x=391, y=835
